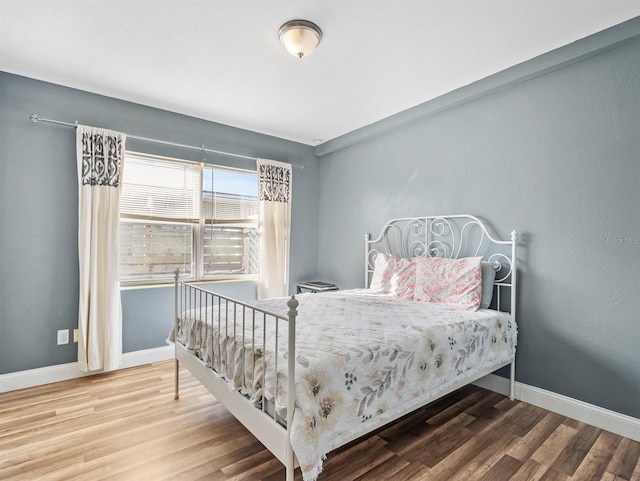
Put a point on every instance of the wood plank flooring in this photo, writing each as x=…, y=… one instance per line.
x=127, y=426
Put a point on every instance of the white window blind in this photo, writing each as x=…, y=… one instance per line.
x=160, y=189
x=195, y=217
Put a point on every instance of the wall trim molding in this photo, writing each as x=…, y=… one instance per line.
x=63, y=372
x=582, y=49
x=606, y=419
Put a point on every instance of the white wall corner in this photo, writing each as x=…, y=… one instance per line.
x=602, y=418
x=63, y=372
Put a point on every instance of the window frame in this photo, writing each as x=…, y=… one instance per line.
x=198, y=228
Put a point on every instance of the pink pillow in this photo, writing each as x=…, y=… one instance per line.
x=454, y=282
x=394, y=275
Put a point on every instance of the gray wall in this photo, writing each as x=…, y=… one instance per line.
x=38, y=213
x=558, y=158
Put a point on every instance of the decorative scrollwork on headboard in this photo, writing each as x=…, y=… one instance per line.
x=442, y=237
x=503, y=267
x=452, y=236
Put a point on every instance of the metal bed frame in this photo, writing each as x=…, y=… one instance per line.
x=445, y=236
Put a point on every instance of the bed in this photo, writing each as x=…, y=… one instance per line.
x=437, y=312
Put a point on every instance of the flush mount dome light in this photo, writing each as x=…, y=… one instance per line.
x=300, y=37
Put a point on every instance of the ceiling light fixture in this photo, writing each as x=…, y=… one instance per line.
x=300, y=37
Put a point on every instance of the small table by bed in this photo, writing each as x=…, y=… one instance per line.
x=316, y=286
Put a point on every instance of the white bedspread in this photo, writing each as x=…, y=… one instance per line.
x=361, y=359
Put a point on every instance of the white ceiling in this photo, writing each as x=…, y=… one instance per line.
x=221, y=60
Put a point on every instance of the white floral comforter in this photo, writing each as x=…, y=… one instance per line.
x=361, y=358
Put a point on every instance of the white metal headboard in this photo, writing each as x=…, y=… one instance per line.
x=451, y=236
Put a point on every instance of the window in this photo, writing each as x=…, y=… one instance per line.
x=196, y=217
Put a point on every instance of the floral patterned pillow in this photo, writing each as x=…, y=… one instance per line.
x=394, y=275
x=454, y=282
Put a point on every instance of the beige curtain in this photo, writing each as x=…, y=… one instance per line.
x=100, y=160
x=274, y=226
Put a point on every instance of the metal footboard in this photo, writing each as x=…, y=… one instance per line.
x=220, y=325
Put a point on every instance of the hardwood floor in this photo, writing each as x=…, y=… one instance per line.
x=127, y=426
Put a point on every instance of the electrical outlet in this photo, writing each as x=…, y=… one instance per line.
x=63, y=336
x=75, y=335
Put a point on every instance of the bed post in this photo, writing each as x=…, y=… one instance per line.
x=291, y=383
x=367, y=238
x=514, y=277
x=176, y=393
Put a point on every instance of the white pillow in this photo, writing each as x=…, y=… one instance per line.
x=394, y=275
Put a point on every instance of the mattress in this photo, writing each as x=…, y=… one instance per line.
x=361, y=358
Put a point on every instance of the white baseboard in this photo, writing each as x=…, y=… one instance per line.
x=606, y=419
x=612, y=421
x=62, y=372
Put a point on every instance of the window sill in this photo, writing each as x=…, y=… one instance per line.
x=131, y=287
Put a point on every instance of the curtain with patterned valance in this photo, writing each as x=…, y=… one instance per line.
x=274, y=226
x=100, y=155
